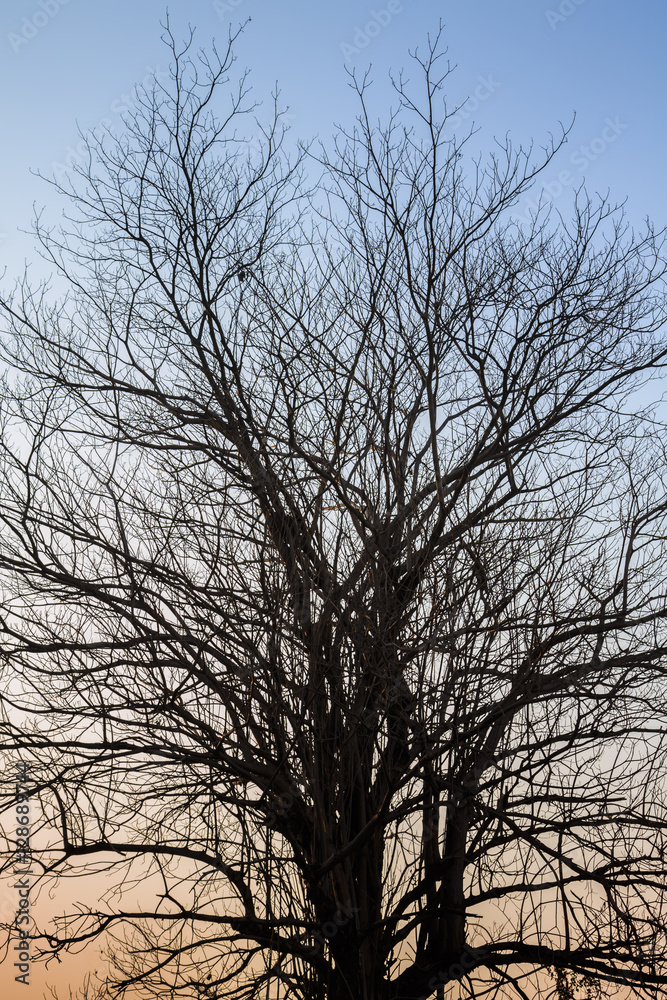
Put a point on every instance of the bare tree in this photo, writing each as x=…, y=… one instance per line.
x=334, y=570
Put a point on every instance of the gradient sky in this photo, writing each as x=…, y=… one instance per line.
x=546, y=59
x=77, y=62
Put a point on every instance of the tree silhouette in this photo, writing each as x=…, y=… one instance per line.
x=333, y=562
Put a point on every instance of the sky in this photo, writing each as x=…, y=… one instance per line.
x=67, y=64
x=523, y=67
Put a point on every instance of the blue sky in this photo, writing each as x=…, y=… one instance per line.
x=535, y=62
